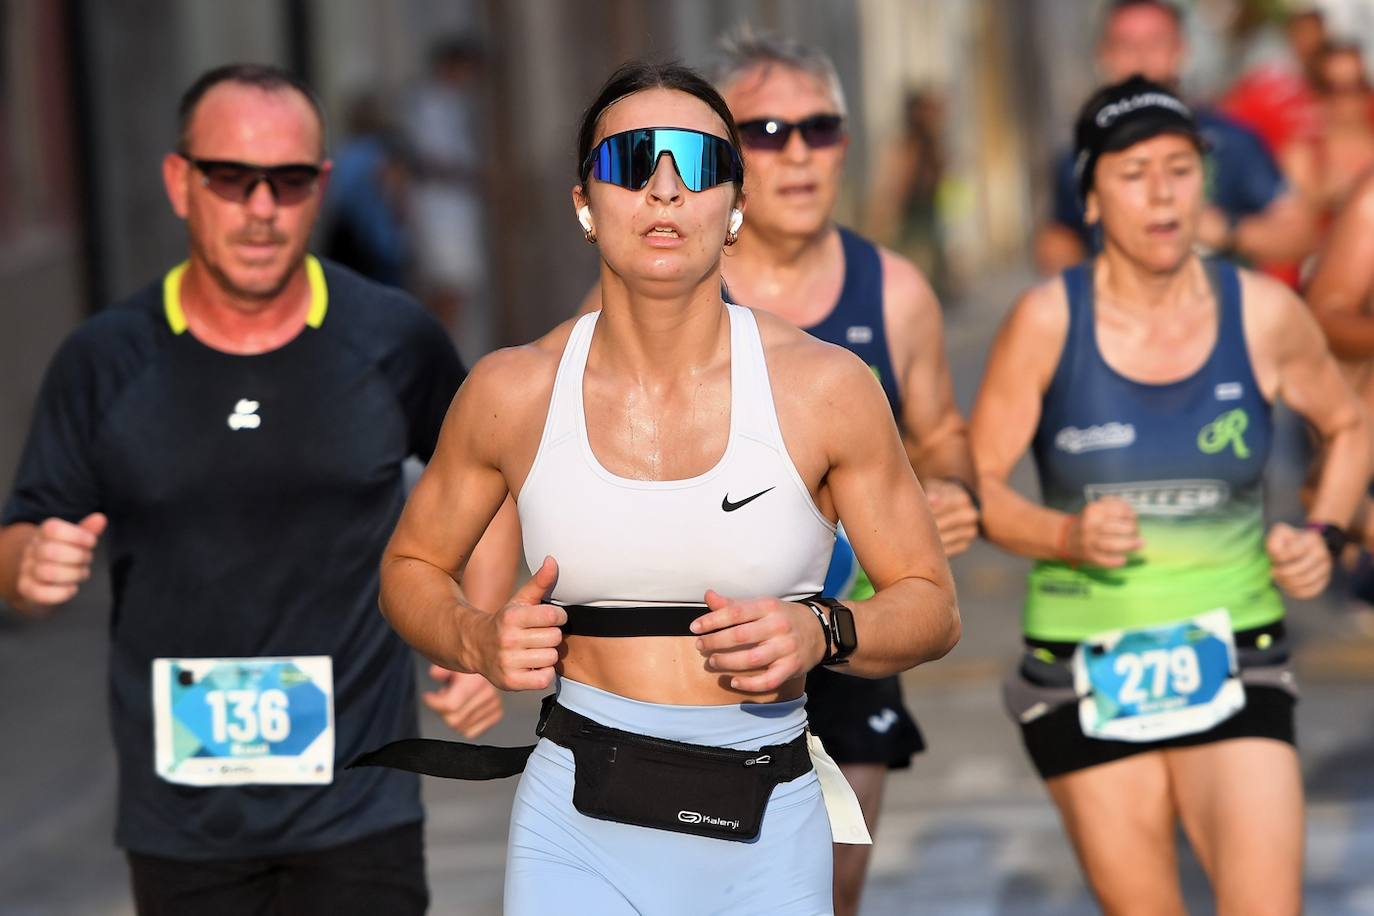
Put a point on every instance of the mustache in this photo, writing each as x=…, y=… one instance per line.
x=259, y=235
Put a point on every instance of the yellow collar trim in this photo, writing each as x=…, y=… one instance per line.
x=314, y=274
x=171, y=298
x=319, y=292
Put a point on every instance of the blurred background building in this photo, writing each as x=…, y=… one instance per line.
x=962, y=103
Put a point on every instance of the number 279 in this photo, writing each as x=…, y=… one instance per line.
x=1160, y=669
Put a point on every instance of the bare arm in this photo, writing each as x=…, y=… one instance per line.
x=489, y=578
x=1019, y=369
x=1005, y=418
x=13, y=541
x=1344, y=279
x=1295, y=366
x=933, y=431
x=914, y=616
x=424, y=564
x=1283, y=232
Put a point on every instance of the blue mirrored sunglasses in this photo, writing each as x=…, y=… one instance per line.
x=628, y=159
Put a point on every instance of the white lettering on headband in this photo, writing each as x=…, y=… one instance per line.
x=1136, y=102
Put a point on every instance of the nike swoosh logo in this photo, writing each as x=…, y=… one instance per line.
x=731, y=507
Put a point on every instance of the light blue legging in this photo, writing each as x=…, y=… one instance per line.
x=562, y=862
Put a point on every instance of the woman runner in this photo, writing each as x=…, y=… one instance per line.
x=679, y=465
x=1155, y=687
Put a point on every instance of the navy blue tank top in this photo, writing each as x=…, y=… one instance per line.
x=856, y=322
x=1188, y=456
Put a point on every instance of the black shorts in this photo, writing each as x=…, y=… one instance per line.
x=381, y=873
x=1056, y=743
x=861, y=720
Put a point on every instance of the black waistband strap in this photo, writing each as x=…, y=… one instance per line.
x=456, y=760
x=448, y=759
x=646, y=620
x=784, y=761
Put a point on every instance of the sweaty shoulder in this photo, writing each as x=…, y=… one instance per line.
x=508, y=390
x=1268, y=304
x=1278, y=326
x=1033, y=333
x=806, y=370
x=1042, y=311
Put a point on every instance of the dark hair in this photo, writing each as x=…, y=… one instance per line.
x=1164, y=6
x=636, y=76
x=1119, y=115
x=262, y=76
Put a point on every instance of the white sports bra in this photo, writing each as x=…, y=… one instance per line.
x=747, y=527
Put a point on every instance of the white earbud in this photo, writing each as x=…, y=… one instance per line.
x=736, y=220
x=584, y=216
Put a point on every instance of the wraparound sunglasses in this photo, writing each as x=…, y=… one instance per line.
x=628, y=159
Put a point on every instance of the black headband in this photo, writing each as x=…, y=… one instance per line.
x=1124, y=114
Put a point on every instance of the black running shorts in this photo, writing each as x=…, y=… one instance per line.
x=862, y=720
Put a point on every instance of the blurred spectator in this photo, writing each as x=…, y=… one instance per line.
x=1327, y=165
x=1251, y=212
x=1275, y=97
x=904, y=201
x=364, y=212
x=442, y=126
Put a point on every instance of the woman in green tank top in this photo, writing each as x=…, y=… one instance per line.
x=1155, y=688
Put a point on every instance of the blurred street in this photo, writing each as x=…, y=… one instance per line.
x=968, y=830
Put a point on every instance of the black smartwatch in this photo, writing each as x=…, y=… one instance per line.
x=841, y=637
x=1334, y=536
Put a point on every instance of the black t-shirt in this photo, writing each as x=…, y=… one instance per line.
x=249, y=500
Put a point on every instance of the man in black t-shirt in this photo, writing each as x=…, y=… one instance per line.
x=239, y=427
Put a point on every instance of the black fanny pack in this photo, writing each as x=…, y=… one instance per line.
x=625, y=777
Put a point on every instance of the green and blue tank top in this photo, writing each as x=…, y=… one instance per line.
x=1188, y=456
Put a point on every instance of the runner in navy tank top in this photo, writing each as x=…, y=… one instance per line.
x=1155, y=690
x=793, y=260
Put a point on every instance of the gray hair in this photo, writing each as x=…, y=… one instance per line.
x=742, y=49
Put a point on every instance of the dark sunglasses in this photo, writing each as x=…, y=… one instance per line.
x=772, y=133
x=628, y=159
x=235, y=181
